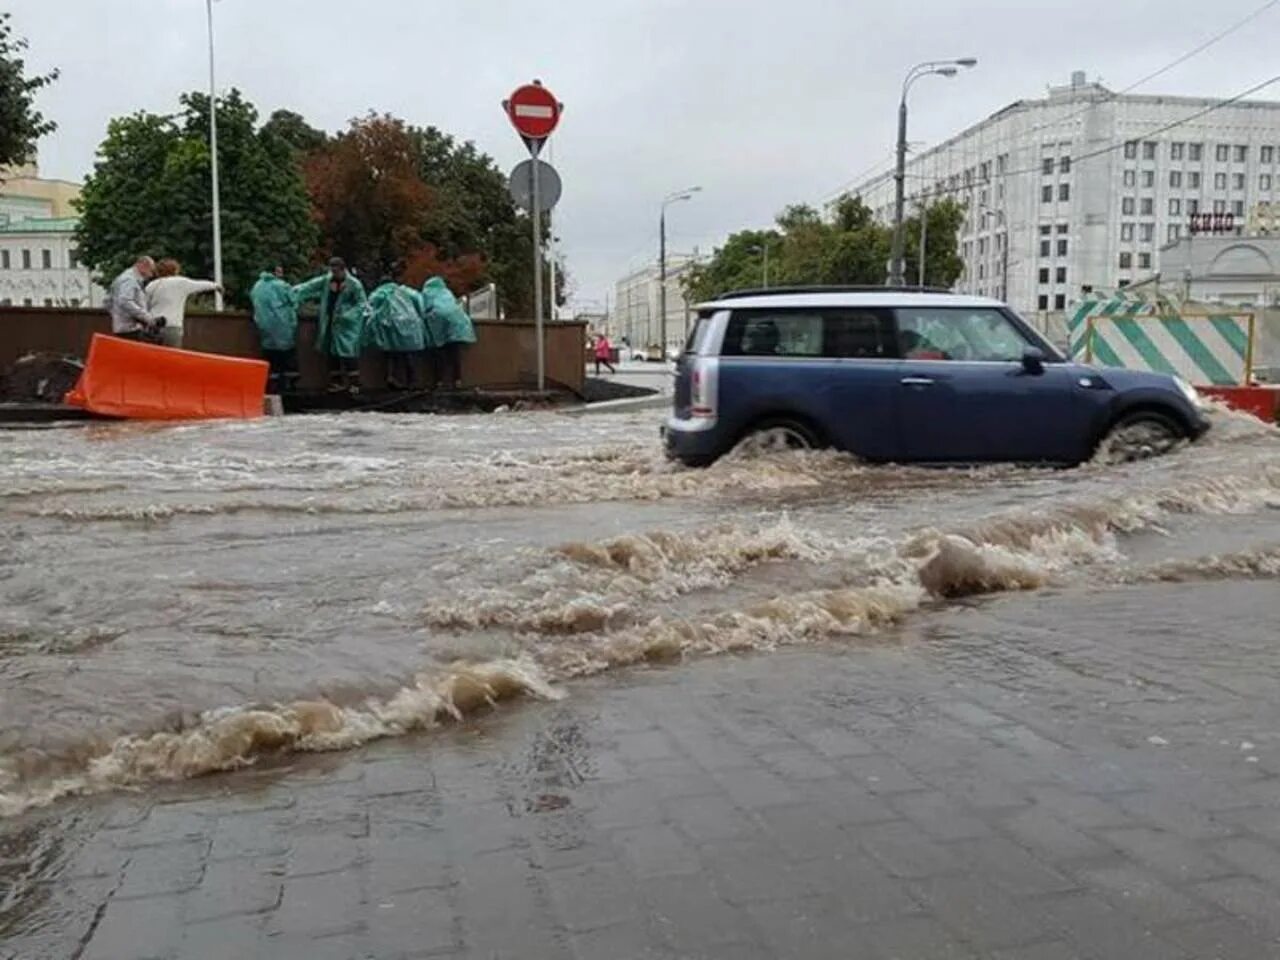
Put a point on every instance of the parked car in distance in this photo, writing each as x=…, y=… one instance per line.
x=904, y=375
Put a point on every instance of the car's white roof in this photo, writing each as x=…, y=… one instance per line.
x=836, y=298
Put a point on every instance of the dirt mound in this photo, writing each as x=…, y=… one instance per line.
x=39, y=377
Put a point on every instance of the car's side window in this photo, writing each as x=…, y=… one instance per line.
x=791, y=333
x=858, y=334
x=968, y=333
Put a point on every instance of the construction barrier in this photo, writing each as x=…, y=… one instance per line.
x=1204, y=347
x=123, y=378
x=1262, y=402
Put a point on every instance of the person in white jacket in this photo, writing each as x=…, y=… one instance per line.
x=167, y=297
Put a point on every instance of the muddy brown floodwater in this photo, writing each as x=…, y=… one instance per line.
x=176, y=600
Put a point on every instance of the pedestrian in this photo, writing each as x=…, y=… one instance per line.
x=340, y=332
x=275, y=314
x=604, y=353
x=448, y=329
x=127, y=303
x=167, y=297
x=395, y=327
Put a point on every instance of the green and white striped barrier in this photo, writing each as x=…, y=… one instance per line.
x=1205, y=348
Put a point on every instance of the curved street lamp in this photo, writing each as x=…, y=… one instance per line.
x=939, y=68
x=676, y=197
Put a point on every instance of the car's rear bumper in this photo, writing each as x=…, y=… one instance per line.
x=691, y=440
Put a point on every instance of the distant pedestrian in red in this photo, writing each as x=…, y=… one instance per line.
x=604, y=353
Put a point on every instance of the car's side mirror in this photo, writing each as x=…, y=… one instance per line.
x=1033, y=361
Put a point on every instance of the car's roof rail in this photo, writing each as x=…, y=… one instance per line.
x=820, y=288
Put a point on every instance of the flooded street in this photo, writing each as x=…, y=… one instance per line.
x=181, y=600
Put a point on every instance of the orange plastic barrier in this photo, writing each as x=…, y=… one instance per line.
x=122, y=378
x=1262, y=402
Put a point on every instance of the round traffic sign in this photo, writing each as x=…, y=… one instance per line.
x=520, y=186
x=534, y=111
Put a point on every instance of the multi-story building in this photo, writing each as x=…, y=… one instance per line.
x=636, y=311
x=1082, y=188
x=38, y=262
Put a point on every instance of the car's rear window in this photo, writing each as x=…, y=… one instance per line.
x=835, y=333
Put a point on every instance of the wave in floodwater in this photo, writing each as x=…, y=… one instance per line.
x=588, y=607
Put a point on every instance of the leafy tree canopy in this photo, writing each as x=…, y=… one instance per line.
x=21, y=124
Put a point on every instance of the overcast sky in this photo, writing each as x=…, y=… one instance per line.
x=760, y=102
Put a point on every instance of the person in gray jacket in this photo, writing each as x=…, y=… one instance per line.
x=127, y=302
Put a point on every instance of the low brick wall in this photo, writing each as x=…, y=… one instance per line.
x=504, y=353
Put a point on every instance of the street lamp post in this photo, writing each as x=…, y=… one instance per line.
x=676, y=197
x=941, y=68
x=213, y=156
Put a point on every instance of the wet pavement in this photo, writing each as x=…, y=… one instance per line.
x=988, y=782
x=513, y=685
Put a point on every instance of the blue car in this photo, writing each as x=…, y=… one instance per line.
x=908, y=376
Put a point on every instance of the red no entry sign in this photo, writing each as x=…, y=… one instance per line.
x=534, y=111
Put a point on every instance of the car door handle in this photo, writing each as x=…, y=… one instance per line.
x=917, y=381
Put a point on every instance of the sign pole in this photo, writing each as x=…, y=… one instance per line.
x=537, y=268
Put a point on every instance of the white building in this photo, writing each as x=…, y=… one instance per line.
x=38, y=263
x=636, y=312
x=1082, y=188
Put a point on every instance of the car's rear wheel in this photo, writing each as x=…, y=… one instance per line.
x=782, y=433
x=1140, y=436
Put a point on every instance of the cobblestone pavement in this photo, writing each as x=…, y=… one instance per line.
x=1040, y=777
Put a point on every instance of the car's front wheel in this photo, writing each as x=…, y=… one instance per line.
x=1140, y=436
x=782, y=433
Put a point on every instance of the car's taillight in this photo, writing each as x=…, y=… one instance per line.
x=700, y=393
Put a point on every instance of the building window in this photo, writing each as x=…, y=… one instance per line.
x=48, y=302
x=1148, y=178
x=1148, y=150
x=1219, y=206
x=1060, y=275
x=984, y=198
x=75, y=301
x=1267, y=155
x=1064, y=165
x=1193, y=206
x=1046, y=166
x=1059, y=301
x=1046, y=229
x=1044, y=275
x=1126, y=232
x=1223, y=153
x=1002, y=163
x=982, y=269
x=1127, y=206
x=1175, y=207
x=1175, y=178
x=1126, y=259
x=1131, y=150
x=1044, y=248
x=1219, y=181
x=1124, y=282
x=1042, y=302
x=1146, y=232
x=1062, y=248
x=1064, y=191
x=1237, y=181
x=46, y=259
x=984, y=171
x=4, y=259
x=1242, y=153
x=1046, y=193
x=26, y=301
x=982, y=246
x=73, y=258
x=26, y=262
x=1130, y=178
x=1144, y=261
x=1064, y=227
x=1195, y=151
x=1238, y=208
x=1264, y=182
x=1176, y=151
x=1148, y=206
x=1193, y=180
x=1175, y=231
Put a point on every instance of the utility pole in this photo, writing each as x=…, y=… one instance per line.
x=679, y=195
x=924, y=237
x=213, y=157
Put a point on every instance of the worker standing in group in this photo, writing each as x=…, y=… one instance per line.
x=275, y=314
x=167, y=297
x=395, y=326
x=340, y=333
x=127, y=303
x=448, y=330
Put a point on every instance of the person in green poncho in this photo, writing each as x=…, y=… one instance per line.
x=448, y=329
x=340, y=335
x=395, y=327
x=275, y=314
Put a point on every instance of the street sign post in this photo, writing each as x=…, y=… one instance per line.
x=534, y=112
x=520, y=186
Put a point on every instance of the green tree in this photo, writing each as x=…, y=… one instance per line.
x=294, y=130
x=21, y=124
x=150, y=193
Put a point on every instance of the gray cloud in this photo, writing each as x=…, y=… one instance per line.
x=761, y=103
